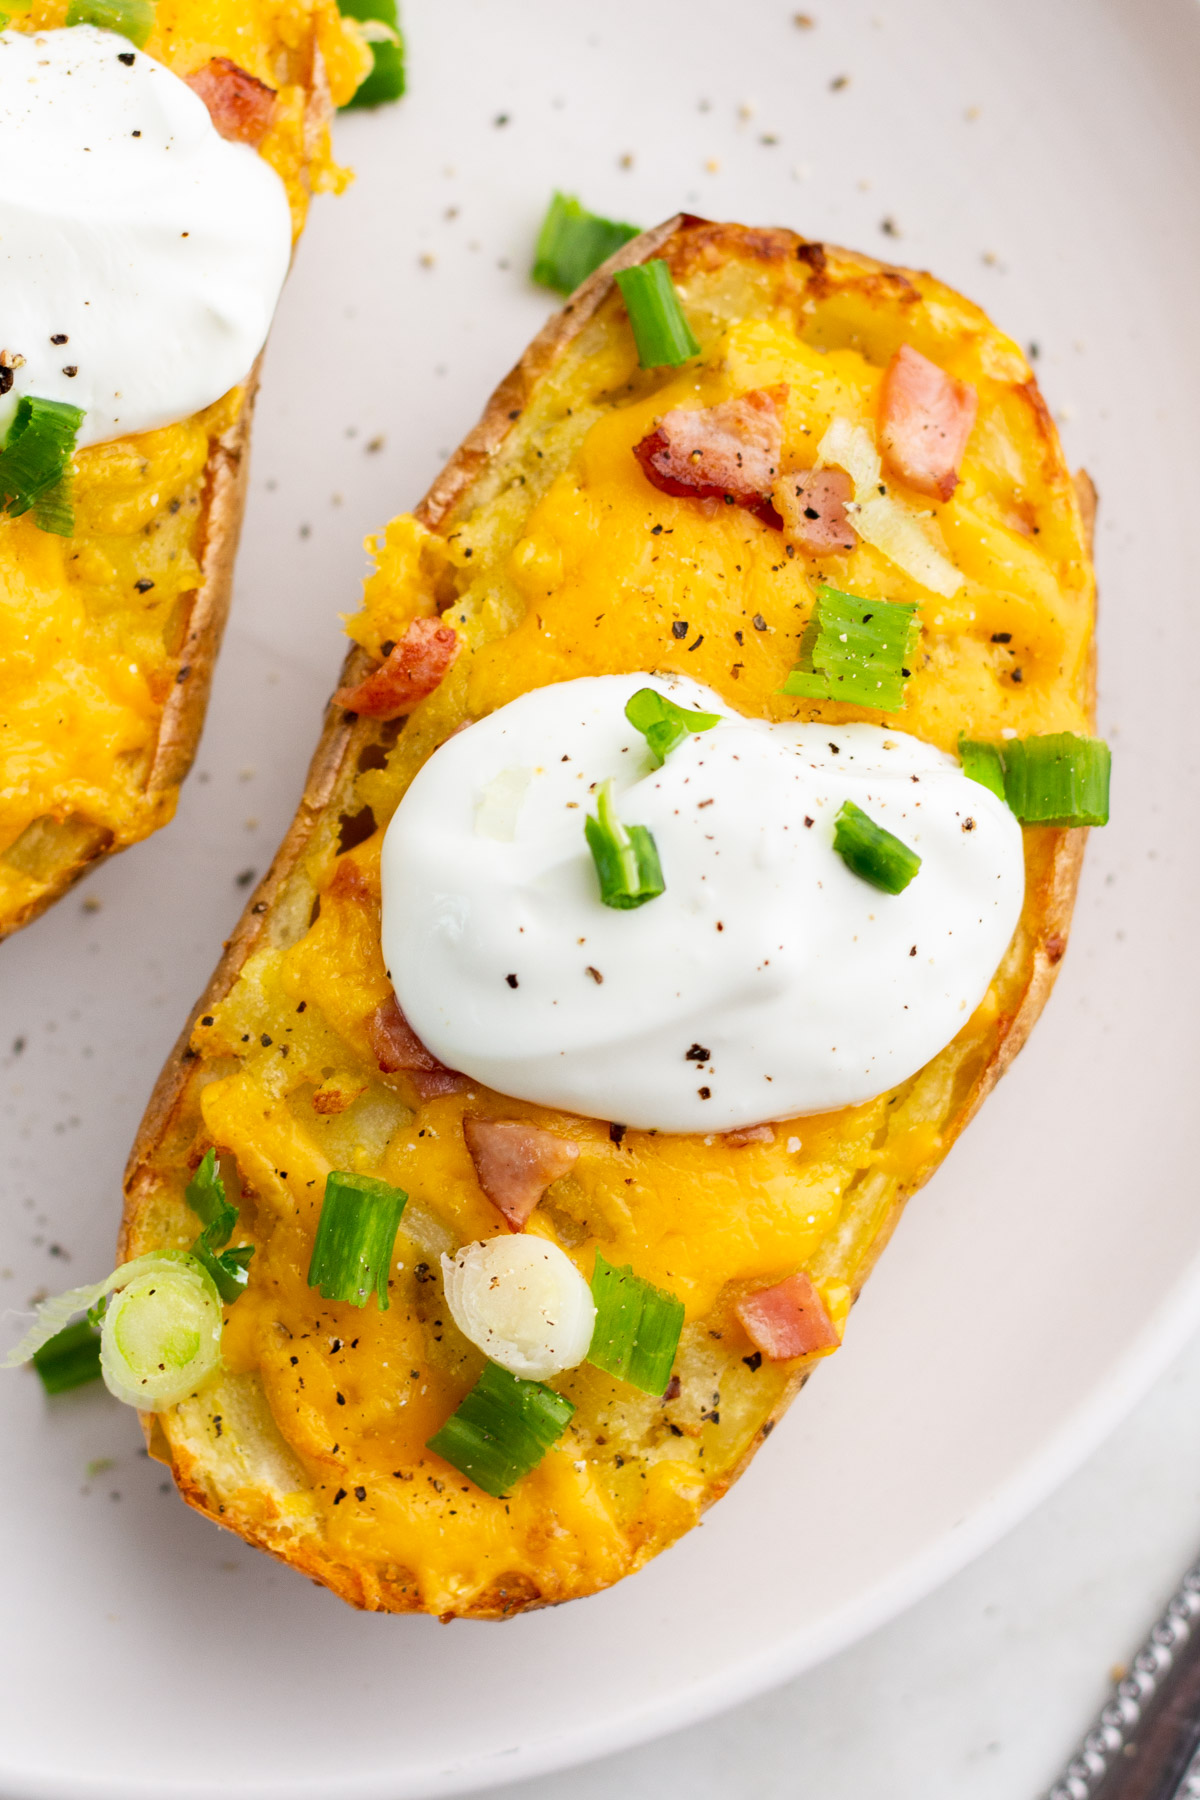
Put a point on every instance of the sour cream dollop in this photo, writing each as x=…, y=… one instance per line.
x=141, y=254
x=767, y=981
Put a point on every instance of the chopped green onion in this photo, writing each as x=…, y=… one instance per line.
x=983, y=763
x=162, y=1332
x=573, y=242
x=660, y=329
x=205, y=1194
x=133, y=19
x=1058, y=779
x=230, y=1270
x=855, y=650
x=637, y=1327
x=871, y=852
x=502, y=1429
x=35, y=463
x=70, y=1358
x=663, y=724
x=387, y=80
x=626, y=856
x=356, y=1234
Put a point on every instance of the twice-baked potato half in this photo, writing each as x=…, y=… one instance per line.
x=608, y=522
x=110, y=620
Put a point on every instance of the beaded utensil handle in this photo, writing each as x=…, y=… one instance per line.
x=1146, y=1743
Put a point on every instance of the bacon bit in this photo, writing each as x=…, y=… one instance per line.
x=788, y=1320
x=411, y=670
x=239, y=104
x=395, y=1044
x=728, y=452
x=925, y=420
x=516, y=1163
x=813, y=505
x=430, y=1084
x=750, y=1134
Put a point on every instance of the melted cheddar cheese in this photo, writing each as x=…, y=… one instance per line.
x=562, y=561
x=91, y=627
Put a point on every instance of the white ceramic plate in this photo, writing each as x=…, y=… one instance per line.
x=1045, y=159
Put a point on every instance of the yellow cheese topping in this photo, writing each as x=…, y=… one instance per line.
x=92, y=626
x=566, y=562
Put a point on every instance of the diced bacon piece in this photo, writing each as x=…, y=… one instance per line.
x=394, y=1043
x=430, y=1084
x=516, y=1163
x=788, y=1320
x=925, y=419
x=239, y=104
x=728, y=452
x=812, y=503
x=410, y=671
x=750, y=1134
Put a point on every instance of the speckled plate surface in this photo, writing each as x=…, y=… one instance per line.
x=1045, y=159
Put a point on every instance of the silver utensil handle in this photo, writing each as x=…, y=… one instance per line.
x=1146, y=1743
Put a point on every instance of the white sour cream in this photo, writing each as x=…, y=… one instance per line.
x=131, y=230
x=768, y=980
x=522, y=1301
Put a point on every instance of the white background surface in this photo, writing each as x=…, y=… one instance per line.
x=1044, y=157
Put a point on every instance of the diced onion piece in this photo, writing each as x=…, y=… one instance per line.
x=499, y=804
x=161, y=1336
x=851, y=447
x=893, y=529
x=521, y=1300
x=877, y=518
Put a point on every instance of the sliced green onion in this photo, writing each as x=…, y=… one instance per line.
x=133, y=19
x=1058, y=779
x=626, y=856
x=855, y=650
x=387, y=80
x=871, y=852
x=70, y=1359
x=660, y=329
x=663, y=724
x=983, y=763
x=35, y=463
x=502, y=1429
x=356, y=1234
x=637, y=1327
x=162, y=1333
x=573, y=242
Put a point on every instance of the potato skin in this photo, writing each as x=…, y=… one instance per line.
x=241, y=1486
x=136, y=792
